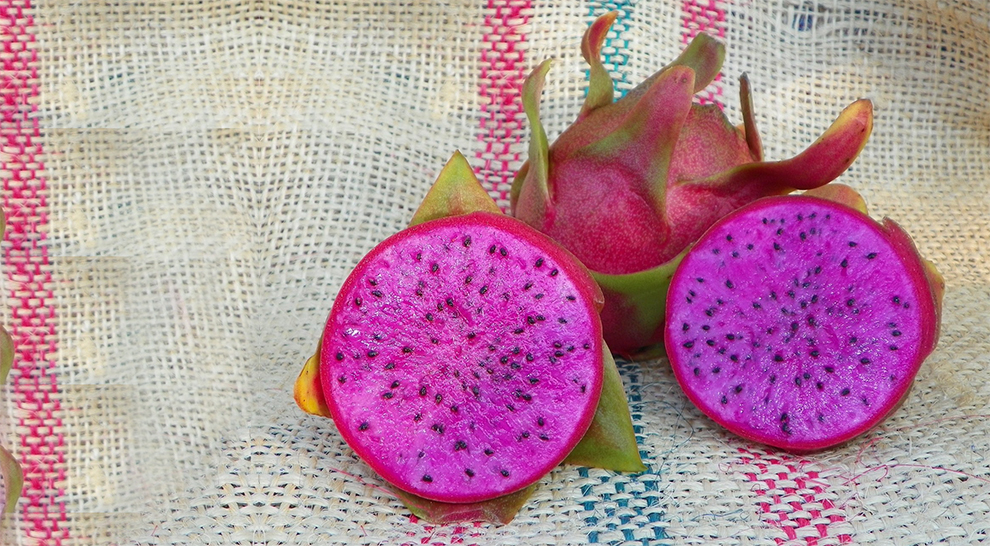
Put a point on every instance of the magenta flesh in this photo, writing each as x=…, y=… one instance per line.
x=462, y=360
x=798, y=323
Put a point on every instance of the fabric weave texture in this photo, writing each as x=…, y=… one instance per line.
x=189, y=183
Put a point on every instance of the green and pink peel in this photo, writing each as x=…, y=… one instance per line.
x=631, y=183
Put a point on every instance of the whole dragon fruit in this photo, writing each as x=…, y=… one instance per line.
x=631, y=183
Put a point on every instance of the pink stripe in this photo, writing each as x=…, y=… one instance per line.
x=29, y=277
x=784, y=506
x=705, y=16
x=810, y=492
x=503, y=70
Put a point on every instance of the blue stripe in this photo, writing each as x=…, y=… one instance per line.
x=614, y=52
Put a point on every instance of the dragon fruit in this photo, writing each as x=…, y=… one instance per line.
x=630, y=184
x=799, y=322
x=463, y=360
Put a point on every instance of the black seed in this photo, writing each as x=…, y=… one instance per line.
x=538, y=296
x=756, y=305
x=896, y=333
x=527, y=286
x=818, y=270
x=571, y=298
x=688, y=344
x=734, y=358
x=531, y=320
x=427, y=478
x=893, y=347
x=776, y=246
x=376, y=293
x=778, y=357
x=387, y=395
x=363, y=426
x=844, y=392
x=524, y=435
x=737, y=389
x=724, y=400
x=803, y=236
x=773, y=378
x=706, y=327
x=372, y=354
x=434, y=268
x=505, y=473
x=469, y=472
x=853, y=340
x=467, y=241
x=439, y=306
x=728, y=284
x=529, y=357
x=797, y=381
x=864, y=360
x=468, y=279
x=735, y=254
x=504, y=360
x=794, y=326
x=510, y=407
x=715, y=251
x=699, y=279
x=749, y=246
x=489, y=452
x=815, y=353
x=710, y=311
x=341, y=379
x=562, y=320
x=357, y=302
x=453, y=409
x=710, y=342
x=845, y=263
x=871, y=255
x=471, y=335
x=518, y=331
x=819, y=385
x=539, y=262
x=459, y=445
x=483, y=290
x=728, y=238
x=407, y=350
x=697, y=371
x=853, y=243
x=865, y=401
x=716, y=369
x=340, y=356
x=491, y=249
x=438, y=398
x=503, y=252
x=438, y=428
x=553, y=272
x=829, y=369
x=780, y=231
x=429, y=317
x=558, y=354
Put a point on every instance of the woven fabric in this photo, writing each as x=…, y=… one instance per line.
x=187, y=185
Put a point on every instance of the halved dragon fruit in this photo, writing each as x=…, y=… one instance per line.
x=463, y=360
x=630, y=184
x=800, y=322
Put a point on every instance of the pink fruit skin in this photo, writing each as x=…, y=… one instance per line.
x=928, y=292
x=630, y=184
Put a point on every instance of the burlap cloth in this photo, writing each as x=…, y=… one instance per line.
x=190, y=182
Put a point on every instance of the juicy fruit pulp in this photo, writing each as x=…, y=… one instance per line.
x=799, y=323
x=462, y=359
